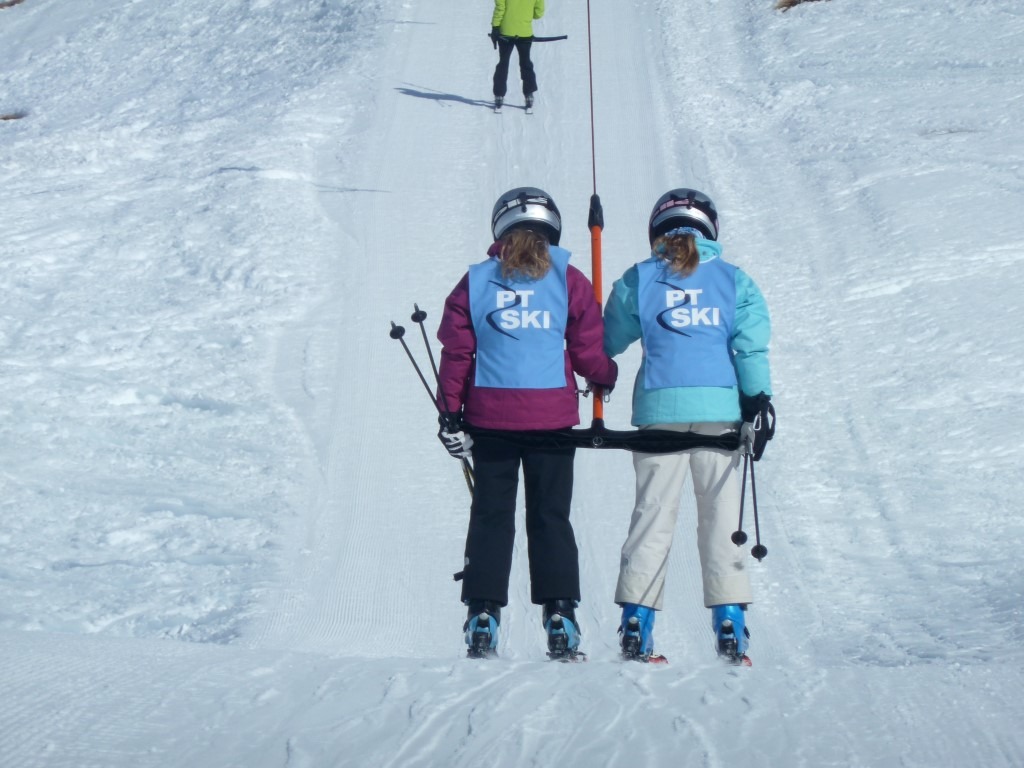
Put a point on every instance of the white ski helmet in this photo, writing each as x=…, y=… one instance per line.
x=527, y=208
x=683, y=208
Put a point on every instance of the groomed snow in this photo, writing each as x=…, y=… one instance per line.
x=228, y=530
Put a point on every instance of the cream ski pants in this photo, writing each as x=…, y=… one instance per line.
x=659, y=486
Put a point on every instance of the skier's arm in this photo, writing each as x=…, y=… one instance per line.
x=538, y=9
x=622, y=314
x=458, y=342
x=499, y=13
x=584, y=331
x=751, y=336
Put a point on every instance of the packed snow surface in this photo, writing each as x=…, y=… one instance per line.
x=228, y=530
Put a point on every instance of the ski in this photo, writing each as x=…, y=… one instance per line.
x=654, y=658
x=742, y=660
x=568, y=657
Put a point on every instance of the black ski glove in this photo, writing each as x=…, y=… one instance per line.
x=453, y=438
x=495, y=34
x=758, y=423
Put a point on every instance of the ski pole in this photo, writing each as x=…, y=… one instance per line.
x=739, y=538
x=418, y=316
x=534, y=39
x=759, y=550
x=398, y=332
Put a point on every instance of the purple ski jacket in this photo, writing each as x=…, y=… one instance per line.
x=522, y=409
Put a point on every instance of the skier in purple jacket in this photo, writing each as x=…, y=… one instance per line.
x=515, y=330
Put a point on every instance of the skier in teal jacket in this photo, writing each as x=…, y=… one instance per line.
x=705, y=330
x=512, y=27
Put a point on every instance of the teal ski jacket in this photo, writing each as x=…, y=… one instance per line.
x=514, y=18
x=747, y=349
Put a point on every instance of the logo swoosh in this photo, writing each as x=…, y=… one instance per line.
x=661, y=315
x=490, y=315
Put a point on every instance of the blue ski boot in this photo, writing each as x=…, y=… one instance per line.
x=731, y=633
x=637, y=630
x=562, y=630
x=481, y=629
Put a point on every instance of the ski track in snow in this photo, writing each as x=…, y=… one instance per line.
x=67, y=704
x=887, y=627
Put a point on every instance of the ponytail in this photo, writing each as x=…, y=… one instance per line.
x=524, y=255
x=679, y=252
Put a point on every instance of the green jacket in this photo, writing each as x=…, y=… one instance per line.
x=515, y=17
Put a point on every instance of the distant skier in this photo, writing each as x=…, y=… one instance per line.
x=514, y=331
x=705, y=330
x=512, y=27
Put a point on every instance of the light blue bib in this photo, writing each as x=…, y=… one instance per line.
x=687, y=323
x=520, y=325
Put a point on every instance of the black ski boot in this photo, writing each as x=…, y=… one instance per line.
x=562, y=630
x=631, y=639
x=481, y=629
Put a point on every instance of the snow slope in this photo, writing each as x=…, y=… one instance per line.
x=228, y=530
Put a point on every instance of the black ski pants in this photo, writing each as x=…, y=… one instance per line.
x=505, y=46
x=551, y=545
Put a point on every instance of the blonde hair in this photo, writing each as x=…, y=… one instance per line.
x=524, y=255
x=679, y=252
